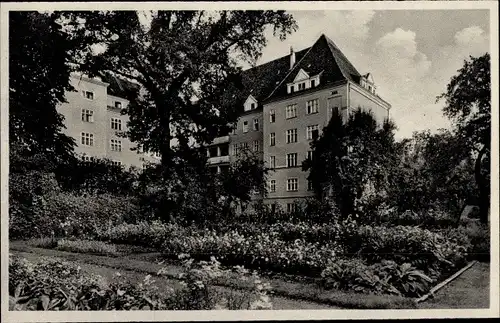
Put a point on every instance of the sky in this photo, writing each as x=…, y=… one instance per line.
x=412, y=54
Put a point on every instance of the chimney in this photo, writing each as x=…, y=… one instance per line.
x=292, y=57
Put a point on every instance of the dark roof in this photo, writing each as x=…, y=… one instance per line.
x=261, y=80
x=323, y=57
x=119, y=87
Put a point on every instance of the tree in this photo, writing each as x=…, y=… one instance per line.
x=185, y=63
x=39, y=71
x=425, y=179
x=351, y=161
x=246, y=176
x=468, y=105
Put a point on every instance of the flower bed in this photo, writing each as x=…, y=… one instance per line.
x=53, y=284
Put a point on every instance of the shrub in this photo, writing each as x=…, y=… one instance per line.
x=474, y=236
x=386, y=277
x=141, y=234
x=86, y=246
x=263, y=250
x=53, y=284
x=424, y=249
x=47, y=243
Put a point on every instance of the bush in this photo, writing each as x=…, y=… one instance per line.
x=141, y=234
x=263, y=250
x=86, y=246
x=386, y=277
x=67, y=215
x=426, y=250
x=474, y=236
x=53, y=284
x=47, y=243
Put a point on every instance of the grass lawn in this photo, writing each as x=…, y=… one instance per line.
x=287, y=294
x=469, y=290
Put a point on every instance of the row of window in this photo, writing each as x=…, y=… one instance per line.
x=312, y=132
x=89, y=95
x=291, y=159
x=237, y=148
x=312, y=107
x=88, y=116
x=87, y=139
x=292, y=185
x=255, y=125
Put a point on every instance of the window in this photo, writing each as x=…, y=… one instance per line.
x=256, y=124
x=255, y=145
x=291, y=160
x=116, y=123
x=87, y=139
x=87, y=115
x=272, y=139
x=310, y=154
x=245, y=126
x=272, y=186
x=235, y=149
x=292, y=184
x=302, y=86
x=312, y=132
x=116, y=163
x=291, y=111
x=272, y=116
x=116, y=145
x=252, y=106
x=292, y=89
x=291, y=207
x=244, y=145
x=313, y=83
x=309, y=185
x=291, y=136
x=312, y=106
x=272, y=162
x=88, y=95
x=118, y=105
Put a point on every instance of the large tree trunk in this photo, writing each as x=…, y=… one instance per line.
x=484, y=196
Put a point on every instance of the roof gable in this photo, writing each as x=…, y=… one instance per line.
x=301, y=75
x=323, y=57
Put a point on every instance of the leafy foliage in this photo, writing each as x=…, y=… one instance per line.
x=177, y=57
x=52, y=284
x=351, y=160
x=87, y=246
x=468, y=105
x=39, y=70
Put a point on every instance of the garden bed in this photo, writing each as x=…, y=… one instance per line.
x=288, y=289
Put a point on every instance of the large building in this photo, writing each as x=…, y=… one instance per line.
x=93, y=117
x=288, y=101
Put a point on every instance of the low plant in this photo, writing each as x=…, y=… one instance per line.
x=87, y=246
x=46, y=243
x=386, y=277
x=53, y=284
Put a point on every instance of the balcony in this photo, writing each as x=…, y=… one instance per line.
x=218, y=160
x=220, y=140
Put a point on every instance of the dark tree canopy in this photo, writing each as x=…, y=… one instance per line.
x=468, y=105
x=185, y=62
x=39, y=70
x=351, y=160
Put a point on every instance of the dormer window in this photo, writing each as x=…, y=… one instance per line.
x=250, y=103
x=303, y=82
x=368, y=83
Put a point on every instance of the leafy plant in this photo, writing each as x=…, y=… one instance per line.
x=87, y=246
